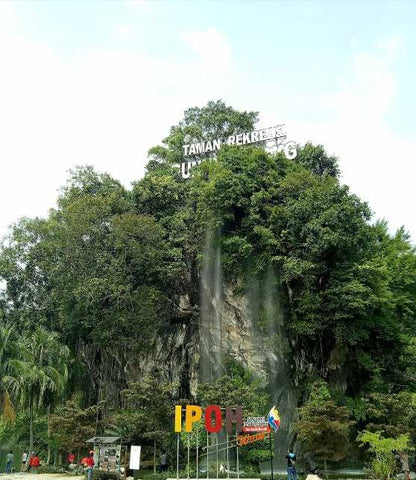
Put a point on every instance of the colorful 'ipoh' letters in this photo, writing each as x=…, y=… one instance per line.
x=212, y=418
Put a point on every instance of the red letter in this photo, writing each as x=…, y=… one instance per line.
x=218, y=419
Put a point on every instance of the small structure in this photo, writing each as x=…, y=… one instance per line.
x=107, y=453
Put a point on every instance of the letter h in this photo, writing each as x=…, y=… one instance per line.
x=234, y=415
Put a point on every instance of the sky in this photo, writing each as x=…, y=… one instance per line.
x=99, y=83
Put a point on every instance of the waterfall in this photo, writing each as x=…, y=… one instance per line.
x=262, y=322
x=266, y=306
x=211, y=294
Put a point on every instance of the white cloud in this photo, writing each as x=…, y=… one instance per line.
x=376, y=163
x=123, y=29
x=7, y=16
x=212, y=50
x=105, y=109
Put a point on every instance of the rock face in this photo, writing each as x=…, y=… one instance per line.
x=226, y=328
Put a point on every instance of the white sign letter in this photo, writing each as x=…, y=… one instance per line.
x=200, y=147
x=291, y=150
x=217, y=144
x=246, y=138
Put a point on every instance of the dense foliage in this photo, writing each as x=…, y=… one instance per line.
x=105, y=271
x=323, y=425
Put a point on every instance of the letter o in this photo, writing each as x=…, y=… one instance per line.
x=208, y=420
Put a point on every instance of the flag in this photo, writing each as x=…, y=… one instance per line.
x=274, y=419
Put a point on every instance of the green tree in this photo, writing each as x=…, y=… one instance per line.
x=72, y=425
x=391, y=413
x=43, y=374
x=7, y=362
x=215, y=120
x=383, y=463
x=148, y=413
x=323, y=426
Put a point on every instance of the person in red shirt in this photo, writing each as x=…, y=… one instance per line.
x=90, y=465
x=71, y=458
x=34, y=462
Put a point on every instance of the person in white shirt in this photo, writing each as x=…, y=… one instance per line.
x=24, y=461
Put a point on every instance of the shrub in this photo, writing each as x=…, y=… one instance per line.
x=103, y=475
x=50, y=469
x=383, y=463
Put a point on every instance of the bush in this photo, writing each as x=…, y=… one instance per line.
x=103, y=475
x=50, y=469
x=383, y=463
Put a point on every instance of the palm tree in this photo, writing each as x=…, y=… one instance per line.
x=42, y=374
x=10, y=365
x=6, y=339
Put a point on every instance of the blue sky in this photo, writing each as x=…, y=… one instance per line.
x=101, y=82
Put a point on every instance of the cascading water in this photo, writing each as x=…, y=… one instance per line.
x=268, y=320
x=281, y=388
x=211, y=338
x=211, y=294
x=258, y=332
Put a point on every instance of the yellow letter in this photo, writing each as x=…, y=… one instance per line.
x=178, y=418
x=193, y=414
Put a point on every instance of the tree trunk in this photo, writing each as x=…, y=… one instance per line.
x=48, y=461
x=31, y=425
x=154, y=455
x=326, y=472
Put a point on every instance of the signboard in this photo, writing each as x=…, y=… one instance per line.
x=256, y=136
x=255, y=424
x=245, y=439
x=135, y=457
x=273, y=138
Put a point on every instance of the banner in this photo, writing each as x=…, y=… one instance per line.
x=135, y=457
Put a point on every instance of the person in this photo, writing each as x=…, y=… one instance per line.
x=9, y=462
x=404, y=461
x=29, y=463
x=291, y=468
x=90, y=465
x=71, y=458
x=163, y=462
x=34, y=462
x=83, y=463
x=24, y=461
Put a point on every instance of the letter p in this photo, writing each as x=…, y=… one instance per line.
x=193, y=413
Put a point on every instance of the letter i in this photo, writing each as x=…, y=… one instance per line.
x=178, y=418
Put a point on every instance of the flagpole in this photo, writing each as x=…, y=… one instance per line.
x=273, y=420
